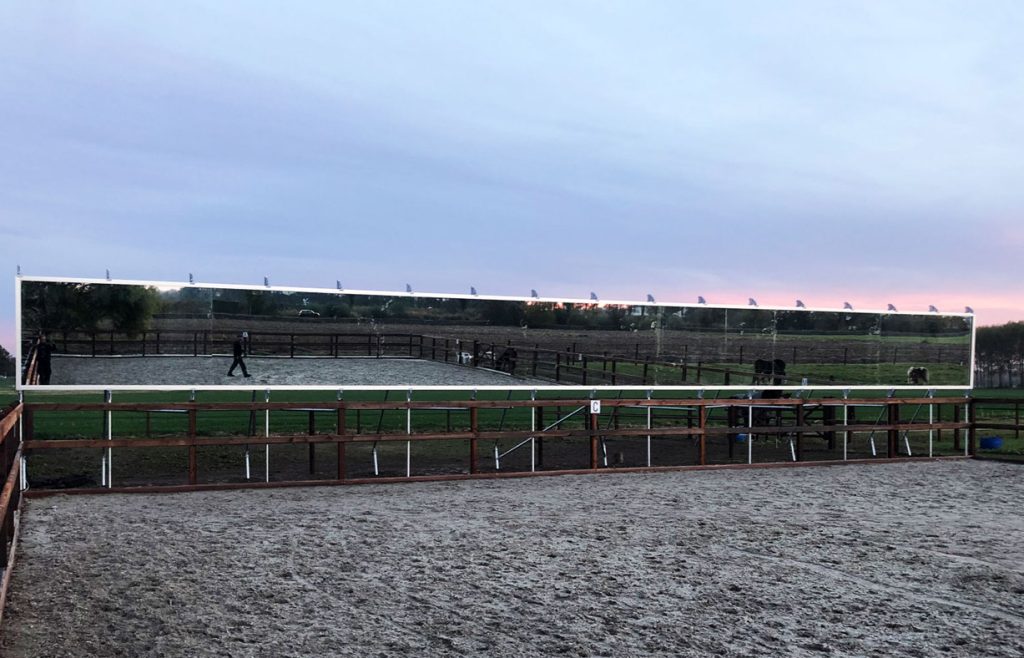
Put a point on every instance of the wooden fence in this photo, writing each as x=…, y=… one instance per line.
x=10, y=496
x=785, y=430
x=731, y=426
x=571, y=364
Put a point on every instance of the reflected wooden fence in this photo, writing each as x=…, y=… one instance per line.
x=568, y=365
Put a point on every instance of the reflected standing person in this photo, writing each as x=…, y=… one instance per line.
x=44, y=350
x=238, y=350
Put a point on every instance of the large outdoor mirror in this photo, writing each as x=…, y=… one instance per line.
x=134, y=335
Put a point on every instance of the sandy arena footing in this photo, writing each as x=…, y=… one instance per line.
x=272, y=371
x=918, y=559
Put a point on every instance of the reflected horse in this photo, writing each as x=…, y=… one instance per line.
x=507, y=360
x=917, y=375
x=769, y=372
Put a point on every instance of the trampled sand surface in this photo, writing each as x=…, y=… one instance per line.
x=917, y=559
x=271, y=371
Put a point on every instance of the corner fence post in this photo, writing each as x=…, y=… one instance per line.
x=28, y=423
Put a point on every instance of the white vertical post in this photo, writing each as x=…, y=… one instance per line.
x=21, y=432
x=110, y=437
x=931, y=432
x=533, y=428
x=266, y=433
x=874, y=452
x=649, y=429
x=846, y=433
x=408, y=430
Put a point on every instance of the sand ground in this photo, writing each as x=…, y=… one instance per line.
x=917, y=559
x=270, y=371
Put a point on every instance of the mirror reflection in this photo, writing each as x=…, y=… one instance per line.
x=104, y=335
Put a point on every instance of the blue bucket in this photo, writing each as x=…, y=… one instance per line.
x=741, y=438
x=991, y=442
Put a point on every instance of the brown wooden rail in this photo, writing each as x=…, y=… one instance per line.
x=695, y=424
x=570, y=365
x=10, y=495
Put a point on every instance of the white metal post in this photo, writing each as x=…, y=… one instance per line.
x=408, y=430
x=17, y=333
x=931, y=432
x=648, y=430
x=21, y=438
x=846, y=433
x=266, y=433
x=533, y=428
x=110, y=437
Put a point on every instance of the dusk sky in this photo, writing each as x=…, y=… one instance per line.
x=870, y=152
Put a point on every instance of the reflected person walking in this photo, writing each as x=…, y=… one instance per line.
x=238, y=350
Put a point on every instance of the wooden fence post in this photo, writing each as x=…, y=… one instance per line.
x=341, y=442
x=893, y=434
x=956, y=432
x=799, y=432
x=593, y=439
x=474, y=427
x=703, y=420
x=193, y=466
x=540, y=440
x=970, y=430
x=312, y=446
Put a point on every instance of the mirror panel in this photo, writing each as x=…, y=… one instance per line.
x=105, y=335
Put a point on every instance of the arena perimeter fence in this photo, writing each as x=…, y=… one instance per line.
x=793, y=421
x=623, y=365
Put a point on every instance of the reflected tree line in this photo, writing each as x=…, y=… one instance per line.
x=1000, y=356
